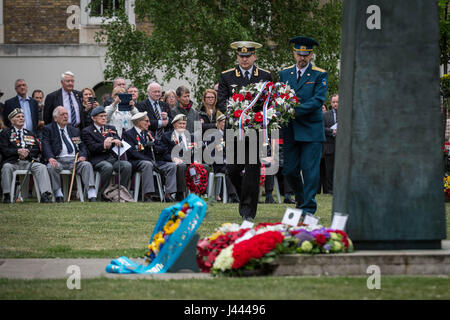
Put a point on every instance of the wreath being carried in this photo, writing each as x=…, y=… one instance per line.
x=196, y=178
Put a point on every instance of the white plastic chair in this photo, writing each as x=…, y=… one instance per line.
x=13, y=185
x=137, y=185
x=65, y=175
x=212, y=181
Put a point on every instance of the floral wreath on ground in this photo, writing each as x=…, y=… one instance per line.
x=233, y=251
x=162, y=236
x=197, y=182
x=277, y=100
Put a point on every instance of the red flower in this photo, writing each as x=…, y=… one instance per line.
x=285, y=96
x=321, y=239
x=237, y=113
x=295, y=99
x=238, y=97
x=259, y=117
x=248, y=96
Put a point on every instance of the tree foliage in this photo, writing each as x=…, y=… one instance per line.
x=444, y=29
x=195, y=35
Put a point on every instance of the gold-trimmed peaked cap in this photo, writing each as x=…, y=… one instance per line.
x=245, y=48
x=303, y=45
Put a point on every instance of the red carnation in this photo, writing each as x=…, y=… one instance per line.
x=238, y=97
x=237, y=113
x=295, y=99
x=259, y=117
x=248, y=96
x=321, y=239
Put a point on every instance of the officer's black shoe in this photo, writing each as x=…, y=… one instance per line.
x=59, y=199
x=288, y=199
x=269, y=199
x=45, y=197
x=93, y=199
x=6, y=198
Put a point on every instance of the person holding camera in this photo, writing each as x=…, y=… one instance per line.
x=89, y=102
x=119, y=113
x=142, y=157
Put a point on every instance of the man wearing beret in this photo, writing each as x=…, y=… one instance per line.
x=142, y=158
x=304, y=135
x=19, y=148
x=100, y=139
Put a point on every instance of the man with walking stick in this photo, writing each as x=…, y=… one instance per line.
x=63, y=149
x=100, y=139
x=19, y=148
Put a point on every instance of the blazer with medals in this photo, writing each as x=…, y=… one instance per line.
x=233, y=80
x=10, y=143
x=167, y=143
x=147, y=106
x=14, y=103
x=55, y=99
x=52, y=141
x=138, y=150
x=95, y=140
x=312, y=91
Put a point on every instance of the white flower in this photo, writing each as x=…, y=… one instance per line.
x=224, y=260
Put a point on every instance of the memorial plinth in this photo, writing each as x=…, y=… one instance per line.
x=389, y=163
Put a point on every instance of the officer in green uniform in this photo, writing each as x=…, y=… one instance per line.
x=231, y=81
x=304, y=134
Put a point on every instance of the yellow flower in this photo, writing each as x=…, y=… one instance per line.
x=181, y=214
x=215, y=235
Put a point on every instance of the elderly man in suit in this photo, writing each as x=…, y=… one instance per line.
x=158, y=112
x=330, y=121
x=100, y=139
x=304, y=134
x=60, y=144
x=20, y=147
x=69, y=99
x=29, y=106
x=142, y=158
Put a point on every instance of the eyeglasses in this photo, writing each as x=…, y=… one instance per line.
x=146, y=120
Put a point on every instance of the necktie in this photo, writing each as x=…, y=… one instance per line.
x=247, y=75
x=144, y=137
x=73, y=114
x=159, y=131
x=299, y=75
x=66, y=142
x=336, y=115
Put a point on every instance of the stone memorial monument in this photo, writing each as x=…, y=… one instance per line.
x=389, y=162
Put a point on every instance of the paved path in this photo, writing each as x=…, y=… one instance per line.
x=95, y=268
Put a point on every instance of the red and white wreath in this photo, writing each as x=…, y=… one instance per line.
x=196, y=178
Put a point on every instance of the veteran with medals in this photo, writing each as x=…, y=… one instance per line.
x=230, y=82
x=19, y=148
x=303, y=137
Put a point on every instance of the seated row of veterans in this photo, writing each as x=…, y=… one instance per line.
x=62, y=144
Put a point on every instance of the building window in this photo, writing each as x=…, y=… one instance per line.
x=96, y=14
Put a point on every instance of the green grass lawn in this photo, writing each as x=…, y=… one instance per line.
x=110, y=230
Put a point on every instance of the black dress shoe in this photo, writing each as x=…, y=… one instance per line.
x=45, y=198
x=169, y=198
x=59, y=199
x=6, y=198
x=269, y=199
x=288, y=200
x=93, y=199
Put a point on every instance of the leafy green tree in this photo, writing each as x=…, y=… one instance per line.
x=195, y=35
x=444, y=29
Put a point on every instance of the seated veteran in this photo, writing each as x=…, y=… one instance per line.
x=142, y=158
x=60, y=144
x=182, y=155
x=20, y=147
x=100, y=139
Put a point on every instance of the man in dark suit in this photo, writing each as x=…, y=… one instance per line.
x=303, y=137
x=142, y=158
x=232, y=81
x=100, y=140
x=242, y=75
x=69, y=99
x=29, y=106
x=158, y=112
x=330, y=122
x=20, y=147
x=60, y=144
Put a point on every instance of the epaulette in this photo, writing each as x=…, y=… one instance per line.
x=264, y=70
x=232, y=69
x=289, y=67
x=317, y=69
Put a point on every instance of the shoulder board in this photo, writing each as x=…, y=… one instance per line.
x=232, y=69
x=289, y=67
x=264, y=70
x=317, y=69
